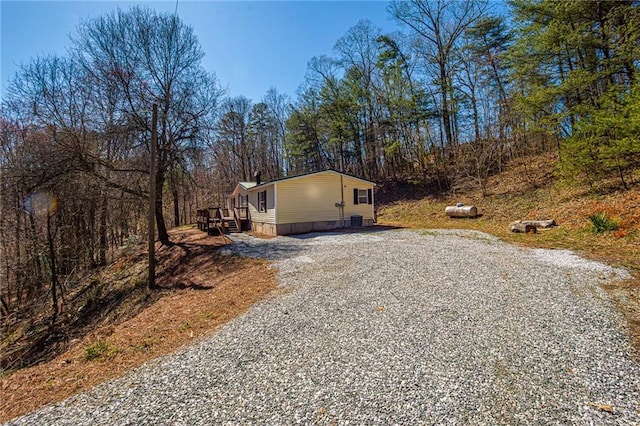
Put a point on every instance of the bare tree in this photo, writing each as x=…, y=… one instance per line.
x=232, y=138
x=152, y=58
x=439, y=24
x=278, y=110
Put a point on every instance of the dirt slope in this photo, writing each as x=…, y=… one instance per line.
x=202, y=290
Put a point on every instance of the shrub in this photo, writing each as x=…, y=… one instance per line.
x=600, y=222
x=99, y=349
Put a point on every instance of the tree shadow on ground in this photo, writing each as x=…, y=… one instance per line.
x=119, y=291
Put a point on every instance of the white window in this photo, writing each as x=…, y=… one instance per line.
x=362, y=196
x=262, y=201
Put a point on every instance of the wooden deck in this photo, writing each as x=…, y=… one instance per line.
x=222, y=220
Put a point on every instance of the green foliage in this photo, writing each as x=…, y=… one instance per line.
x=566, y=53
x=574, y=64
x=302, y=143
x=99, y=349
x=600, y=223
x=606, y=142
x=145, y=346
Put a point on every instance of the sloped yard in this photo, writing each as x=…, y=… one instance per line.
x=201, y=291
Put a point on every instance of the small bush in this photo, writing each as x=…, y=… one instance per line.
x=600, y=222
x=99, y=349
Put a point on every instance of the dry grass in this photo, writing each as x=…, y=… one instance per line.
x=528, y=190
x=201, y=291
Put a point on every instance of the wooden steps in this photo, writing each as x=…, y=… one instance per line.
x=217, y=220
x=229, y=225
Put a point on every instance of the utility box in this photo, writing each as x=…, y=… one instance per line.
x=356, y=220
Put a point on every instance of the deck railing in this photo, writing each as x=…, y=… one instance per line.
x=241, y=213
x=215, y=217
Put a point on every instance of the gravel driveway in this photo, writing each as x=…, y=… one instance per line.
x=395, y=327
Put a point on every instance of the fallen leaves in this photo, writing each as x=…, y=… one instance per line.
x=602, y=407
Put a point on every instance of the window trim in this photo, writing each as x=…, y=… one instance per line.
x=262, y=201
x=363, y=196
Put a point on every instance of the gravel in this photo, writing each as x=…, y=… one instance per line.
x=394, y=327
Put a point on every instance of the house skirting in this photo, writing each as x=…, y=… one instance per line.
x=302, y=227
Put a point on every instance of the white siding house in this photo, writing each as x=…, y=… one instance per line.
x=310, y=202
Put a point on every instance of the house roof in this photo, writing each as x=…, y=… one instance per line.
x=242, y=185
x=309, y=174
x=247, y=185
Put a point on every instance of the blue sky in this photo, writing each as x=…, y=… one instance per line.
x=250, y=46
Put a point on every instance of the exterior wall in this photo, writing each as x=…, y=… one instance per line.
x=364, y=210
x=241, y=190
x=304, y=227
x=258, y=217
x=308, y=203
x=313, y=198
x=234, y=200
x=309, y=199
x=264, y=228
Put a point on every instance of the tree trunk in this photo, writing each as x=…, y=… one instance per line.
x=102, y=232
x=5, y=306
x=54, y=272
x=176, y=205
x=34, y=255
x=476, y=120
x=163, y=235
x=523, y=228
x=446, y=118
x=19, y=273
